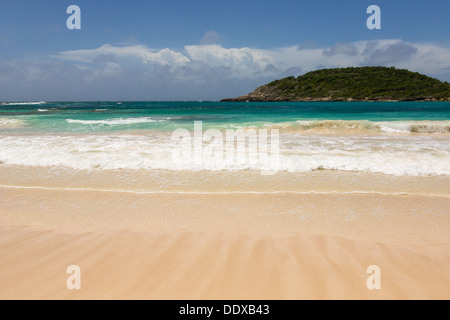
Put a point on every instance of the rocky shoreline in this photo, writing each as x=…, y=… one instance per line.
x=248, y=98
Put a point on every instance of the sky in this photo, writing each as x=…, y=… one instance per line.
x=206, y=49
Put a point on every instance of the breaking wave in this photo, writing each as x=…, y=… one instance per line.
x=114, y=122
x=31, y=103
x=364, y=126
x=6, y=123
x=402, y=155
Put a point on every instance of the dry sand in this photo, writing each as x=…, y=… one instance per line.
x=223, y=246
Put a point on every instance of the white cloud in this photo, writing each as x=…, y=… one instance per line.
x=241, y=62
x=140, y=53
x=198, y=71
x=248, y=62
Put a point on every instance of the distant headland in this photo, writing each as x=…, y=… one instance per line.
x=352, y=84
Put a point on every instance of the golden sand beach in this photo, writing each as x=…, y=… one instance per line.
x=314, y=241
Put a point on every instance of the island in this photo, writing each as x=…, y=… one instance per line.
x=352, y=84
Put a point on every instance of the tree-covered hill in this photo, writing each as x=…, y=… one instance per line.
x=364, y=83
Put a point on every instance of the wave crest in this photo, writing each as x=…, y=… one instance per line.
x=404, y=155
x=6, y=123
x=31, y=103
x=363, y=126
x=113, y=122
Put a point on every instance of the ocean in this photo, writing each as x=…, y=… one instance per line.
x=393, y=138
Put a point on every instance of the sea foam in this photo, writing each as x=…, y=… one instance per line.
x=7, y=123
x=404, y=155
x=363, y=126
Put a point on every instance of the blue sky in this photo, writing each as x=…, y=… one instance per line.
x=200, y=50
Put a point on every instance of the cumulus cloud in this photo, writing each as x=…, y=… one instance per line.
x=242, y=62
x=141, y=53
x=197, y=72
x=249, y=62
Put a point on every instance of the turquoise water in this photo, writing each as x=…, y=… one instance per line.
x=117, y=116
x=397, y=138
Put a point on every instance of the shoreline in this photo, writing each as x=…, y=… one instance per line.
x=373, y=217
x=142, y=181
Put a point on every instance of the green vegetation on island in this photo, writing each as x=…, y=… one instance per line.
x=353, y=84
